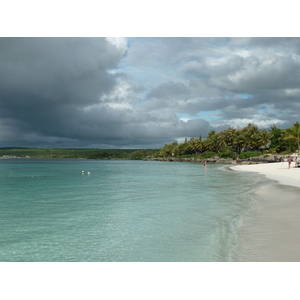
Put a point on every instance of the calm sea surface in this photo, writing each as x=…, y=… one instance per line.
x=122, y=211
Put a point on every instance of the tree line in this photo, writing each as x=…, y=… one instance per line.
x=130, y=154
x=233, y=142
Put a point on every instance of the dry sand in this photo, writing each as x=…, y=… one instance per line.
x=271, y=231
x=275, y=171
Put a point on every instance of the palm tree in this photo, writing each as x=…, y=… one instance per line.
x=230, y=136
x=211, y=133
x=285, y=143
x=239, y=140
x=212, y=141
x=265, y=137
x=293, y=134
x=196, y=145
x=185, y=148
x=221, y=137
x=256, y=141
x=251, y=134
x=169, y=150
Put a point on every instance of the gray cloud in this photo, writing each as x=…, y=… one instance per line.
x=47, y=80
x=97, y=92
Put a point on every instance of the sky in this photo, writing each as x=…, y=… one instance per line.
x=146, y=92
x=143, y=92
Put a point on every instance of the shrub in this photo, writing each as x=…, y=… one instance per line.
x=227, y=152
x=248, y=154
x=208, y=154
x=190, y=155
x=285, y=152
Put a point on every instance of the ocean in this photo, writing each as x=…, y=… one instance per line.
x=121, y=211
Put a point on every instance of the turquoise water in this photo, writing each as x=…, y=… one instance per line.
x=122, y=211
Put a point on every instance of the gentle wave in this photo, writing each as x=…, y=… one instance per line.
x=121, y=211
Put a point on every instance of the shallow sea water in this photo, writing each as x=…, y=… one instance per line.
x=124, y=211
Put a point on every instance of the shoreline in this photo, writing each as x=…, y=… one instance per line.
x=274, y=171
x=269, y=231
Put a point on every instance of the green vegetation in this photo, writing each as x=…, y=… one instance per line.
x=248, y=154
x=78, y=153
x=249, y=141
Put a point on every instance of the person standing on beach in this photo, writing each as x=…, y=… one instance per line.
x=289, y=160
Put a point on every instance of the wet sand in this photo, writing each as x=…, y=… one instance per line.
x=270, y=232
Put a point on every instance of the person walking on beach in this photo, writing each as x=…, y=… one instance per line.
x=289, y=160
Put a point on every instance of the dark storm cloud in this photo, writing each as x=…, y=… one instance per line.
x=69, y=70
x=45, y=82
x=97, y=92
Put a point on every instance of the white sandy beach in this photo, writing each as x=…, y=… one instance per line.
x=276, y=171
x=270, y=232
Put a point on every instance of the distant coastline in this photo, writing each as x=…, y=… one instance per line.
x=135, y=154
x=86, y=153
